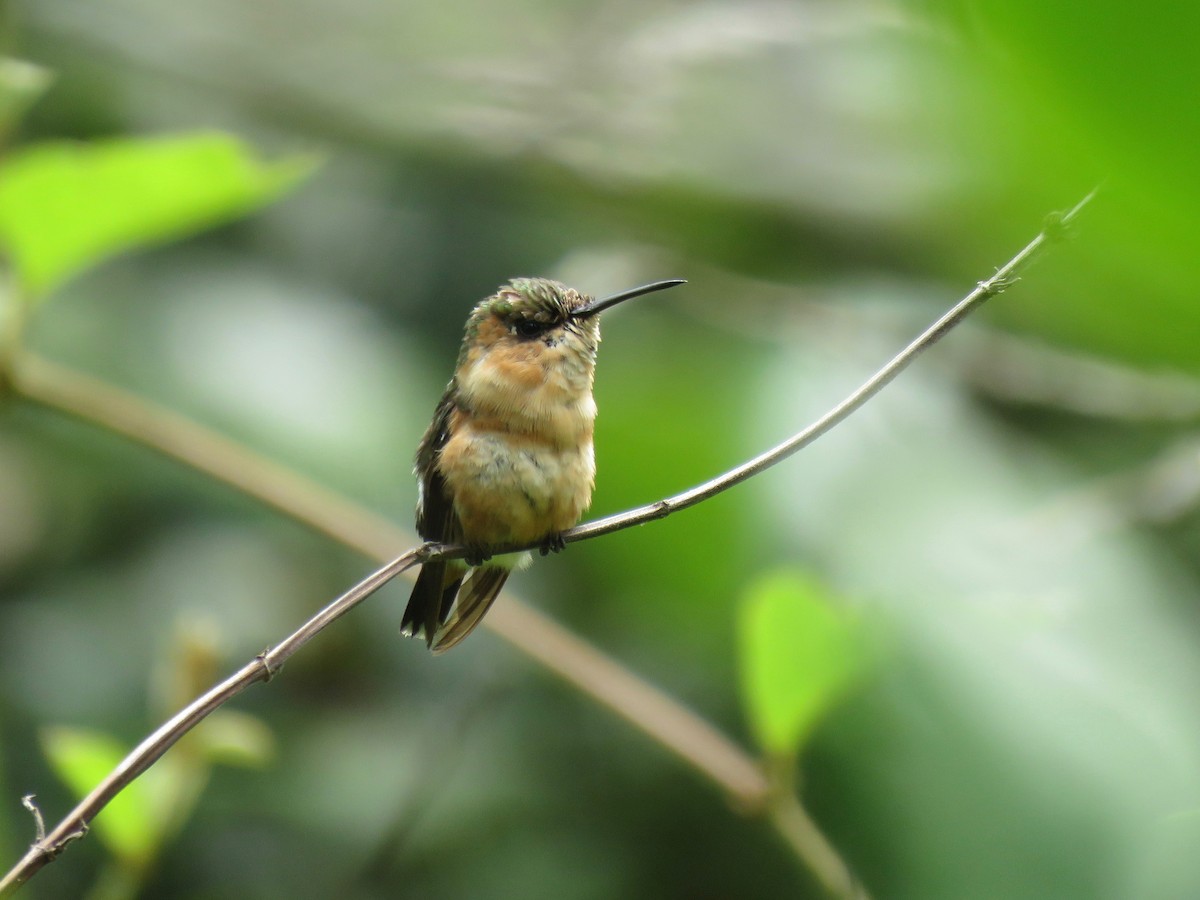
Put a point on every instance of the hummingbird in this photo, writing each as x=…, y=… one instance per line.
x=508, y=458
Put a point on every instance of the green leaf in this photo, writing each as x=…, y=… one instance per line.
x=82, y=759
x=65, y=206
x=799, y=653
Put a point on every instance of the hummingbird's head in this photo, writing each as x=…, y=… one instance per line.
x=530, y=320
x=531, y=346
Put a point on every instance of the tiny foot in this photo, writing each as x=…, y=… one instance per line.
x=476, y=555
x=552, y=544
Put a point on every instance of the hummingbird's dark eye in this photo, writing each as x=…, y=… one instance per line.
x=529, y=328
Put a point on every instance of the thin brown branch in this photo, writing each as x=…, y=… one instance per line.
x=807, y=841
x=677, y=728
x=262, y=668
x=98, y=403
x=662, y=718
x=674, y=726
x=39, y=824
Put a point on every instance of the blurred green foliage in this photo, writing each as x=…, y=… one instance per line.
x=64, y=207
x=1017, y=514
x=142, y=819
x=83, y=759
x=799, y=654
x=21, y=84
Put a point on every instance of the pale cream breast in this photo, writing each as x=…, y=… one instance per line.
x=515, y=488
x=547, y=393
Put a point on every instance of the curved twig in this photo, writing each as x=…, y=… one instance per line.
x=1005, y=276
x=674, y=726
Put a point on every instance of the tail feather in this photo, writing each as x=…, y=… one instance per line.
x=431, y=600
x=474, y=599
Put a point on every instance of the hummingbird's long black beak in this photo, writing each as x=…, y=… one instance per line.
x=597, y=306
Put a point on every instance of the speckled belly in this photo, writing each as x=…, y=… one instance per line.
x=513, y=488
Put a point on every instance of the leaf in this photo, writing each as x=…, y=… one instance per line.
x=82, y=759
x=65, y=206
x=799, y=653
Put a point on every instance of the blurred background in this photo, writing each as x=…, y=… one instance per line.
x=1014, y=520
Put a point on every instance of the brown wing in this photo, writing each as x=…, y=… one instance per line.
x=474, y=599
x=437, y=584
